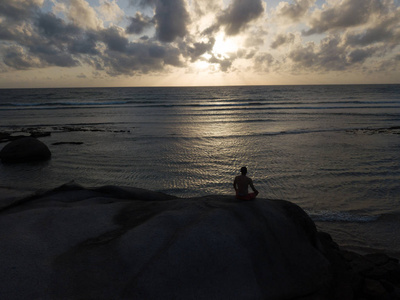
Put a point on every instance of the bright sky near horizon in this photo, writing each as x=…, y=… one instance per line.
x=83, y=43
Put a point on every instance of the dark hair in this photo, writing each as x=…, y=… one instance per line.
x=243, y=170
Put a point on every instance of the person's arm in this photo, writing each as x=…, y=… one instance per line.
x=234, y=184
x=252, y=186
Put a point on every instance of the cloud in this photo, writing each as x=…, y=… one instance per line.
x=84, y=44
x=330, y=55
x=294, y=11
x=138, y=58
x=239, y=14
x=282, y=39
x=236, y=17
x=263, y=62
x=160, y=35
x=138, y=24
x=197, y=49
x=343, y=14
x=114, y=38
x=19, y=9
x=17, y=58
x=203, y=7
x=110, y=11
x=224, y=63
x=55, y=28
x=81, y=14
x=52, y=41
x=385, y=29
x=356, y=32
x=360, y=55
x=171, y=18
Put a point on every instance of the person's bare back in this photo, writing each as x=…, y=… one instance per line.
x=241, y=185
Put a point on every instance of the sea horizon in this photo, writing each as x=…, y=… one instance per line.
x=196, y=86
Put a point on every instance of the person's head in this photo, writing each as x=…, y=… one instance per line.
x=243, y=170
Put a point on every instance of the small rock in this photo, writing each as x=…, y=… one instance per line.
x=25, y=149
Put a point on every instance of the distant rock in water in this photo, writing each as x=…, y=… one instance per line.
x=129, y=243
x=24, y=149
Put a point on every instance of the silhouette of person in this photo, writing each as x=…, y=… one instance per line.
x=241, y=185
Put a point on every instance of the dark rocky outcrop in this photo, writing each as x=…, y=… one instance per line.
x=25, y=149
x=129, y=243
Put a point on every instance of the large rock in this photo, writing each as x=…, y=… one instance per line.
x=126, y=243
x=25, y=150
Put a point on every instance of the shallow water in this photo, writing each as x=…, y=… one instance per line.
x=334, y=150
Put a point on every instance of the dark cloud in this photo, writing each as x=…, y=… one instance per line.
x=138, y=24
x=360, y=55
x=385, y=30
x=304, y=56
x=15, y=57
x=345, y=14
x=236, y=17
x=132, y=58
x=171, y=18
x=84, y=44
x=330, y=55
x=13, y=15
x=195, y=50
x=241, y=12
x=55, y=28
x=114, y=39
x=296, y=10
x=138, y=58
x=224, y=63
x=45, y=40
x=41, y=43
x=18, y=10
x=263, y=62
x=282, y=39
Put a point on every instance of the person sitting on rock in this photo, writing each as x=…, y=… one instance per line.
x=241, y=185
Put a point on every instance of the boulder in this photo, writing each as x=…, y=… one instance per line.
x=128, y=243
x=25, y=149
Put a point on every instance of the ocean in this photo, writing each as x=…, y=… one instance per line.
x=334, y=150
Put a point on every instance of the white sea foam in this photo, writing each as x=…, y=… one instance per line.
x=340, y=216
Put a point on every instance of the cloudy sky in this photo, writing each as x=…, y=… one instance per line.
x=70, y=43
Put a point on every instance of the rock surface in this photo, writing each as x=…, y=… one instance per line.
x=129, y=243
x=25, y=149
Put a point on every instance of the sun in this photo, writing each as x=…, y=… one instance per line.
x=223, y=50
x=224, y=46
